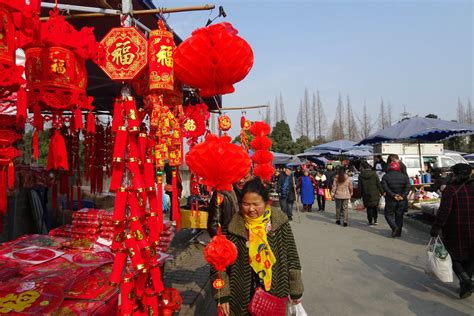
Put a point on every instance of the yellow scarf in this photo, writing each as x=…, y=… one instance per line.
x=260, y=254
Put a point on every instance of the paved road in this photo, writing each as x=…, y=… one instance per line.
x=359, y=270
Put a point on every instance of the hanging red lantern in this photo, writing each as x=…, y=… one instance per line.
x=161, y=49
x=224, y=123
x=220, y=252
x=262, y=157
x=213, y=59
x=229, y=162
x=124, y=53
x=194, y=121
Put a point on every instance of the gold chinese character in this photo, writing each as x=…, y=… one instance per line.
x=122, y=55
x=190, y=125
x=165, y=56
x=58, y=66
x=17, y=303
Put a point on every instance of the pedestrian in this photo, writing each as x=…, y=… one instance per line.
x=395, y=158
x=455, y=218
x=380, y=166
x=396, y=186
x=322, y=182
x=330, y=174
x=342, y=191
x=286, y=191
x=267, y=257
x=306, y=186
x=371, y=190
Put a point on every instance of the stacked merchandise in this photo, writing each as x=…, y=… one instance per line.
x=166, y=236
x=87, y=223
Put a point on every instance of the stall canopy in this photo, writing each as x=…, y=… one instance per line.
x=285, y=159
x=336, y=146
x=99, y=85
x=421, y=129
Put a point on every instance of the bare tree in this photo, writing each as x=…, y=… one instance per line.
x=268, y=114
x=306, y=113
x=320, y=121
x=314, y=117
x=277, y=111
x=299, y=127
x=282, y=109
x=469, y=114
x=460, y=112
x=389, y=115
x=352, y=130
x=382, y=116
x=335, y=130
x=365, y=123
x=340, y=117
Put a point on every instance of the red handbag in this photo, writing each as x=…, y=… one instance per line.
x=265, y=304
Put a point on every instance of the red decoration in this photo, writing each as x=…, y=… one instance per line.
x=57, y=155
x=194, y=121
x=262, y=158
x=161, y=49
x=220, y=252
x=213, y=59
x=171, y=301
x=229, y=162
x=125, y=53
x=225, y=123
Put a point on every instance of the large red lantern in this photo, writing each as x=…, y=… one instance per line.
x=124, y=54
x=213, y=59
x=220, y=252
x=161, y=49
x=229, y=162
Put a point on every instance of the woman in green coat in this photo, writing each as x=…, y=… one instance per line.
x=267, y=255
x=371, y=190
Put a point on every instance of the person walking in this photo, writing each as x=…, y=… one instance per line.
x=395, y=158
x=396, y=186
x=307, y=185
x=342, y=191
x=380, y=166
x=322, y=185
x=371, y=190
x=330, y=174
x=455, y=218
x=286, y=192
x=267, y=257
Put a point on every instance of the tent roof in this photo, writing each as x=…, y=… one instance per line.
x=99, y=85
x=335, y=146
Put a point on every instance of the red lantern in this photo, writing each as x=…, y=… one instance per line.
x=220, y=252
x=213, y=59
x=161, y=49
x=229, y=162
x=262, y=158
x=125, y=53
x=194, y=122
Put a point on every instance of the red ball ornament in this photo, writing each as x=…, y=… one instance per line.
x=213, y=59
x=229, y=162
x=220, y=252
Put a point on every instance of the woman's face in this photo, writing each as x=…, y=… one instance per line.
x=252, y=205
x=306, y=173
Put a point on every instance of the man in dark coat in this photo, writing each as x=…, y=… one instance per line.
x=286, y=192
x=455, y=218
x=370, y=189
x=396, y=158
x=396, y=186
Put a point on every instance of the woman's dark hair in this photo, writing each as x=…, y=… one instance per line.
x=341, y=175
x=256, y=186
x=365, y=165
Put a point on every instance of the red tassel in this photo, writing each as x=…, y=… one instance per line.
x=11, y=175
x=35, y=144
x=118, y=119
x=149, y=174
x=120, y=144
x=37, y=118
x=3, y=193
x=126, y=292
x=117, y=176
x=120, y=204
x=156, y=279
x=91, y=123
x=21, y=114
x=175, y=203
x=57, y=155
x=117, y=270
x=78, y=119
x=140, y=284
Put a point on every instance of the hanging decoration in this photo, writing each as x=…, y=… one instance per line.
x=123, y=53
x=262, y=157
x=161, y=49
x=194, y=122
x=213, y=59
x=224, y=123
x=245, y=125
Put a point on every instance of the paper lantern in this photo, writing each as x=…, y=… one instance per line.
x=229, y=162
x=220, y=252
x=161, y=49
x=213, y=59
x=262, y=158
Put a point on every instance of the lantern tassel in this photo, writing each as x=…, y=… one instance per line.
x=21, y=109
x=78, y=119
x=3, y=194
x=37, y=118
x=35, y=144
x=57, y=155
x=91, y=123
x=11, y=175
x=175, y=203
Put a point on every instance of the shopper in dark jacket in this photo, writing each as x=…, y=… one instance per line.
x=370, y=189
x=394, y=158
x=286, y=191
x=396, y=186
x=456, y=218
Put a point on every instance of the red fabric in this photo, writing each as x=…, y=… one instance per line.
x=395, y=166
x=3, y=194
x=229, y=162
x=37, y=118
x=260, y=129
x=126, y=295
x=213, y=59
x=90, y=123
x=262, y=156
x=157, y=279
x=118, y=266
x=220, y=252
x=134, y=250
x=135, y=174
x=119, y=206
x=35, y=144
x=78, y=119
x=117, y=176
x=120, y=144
x=57, y=155
x=21, y=114
x=264, y=171
x=261, y=143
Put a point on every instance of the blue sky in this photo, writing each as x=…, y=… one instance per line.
x=415, y=54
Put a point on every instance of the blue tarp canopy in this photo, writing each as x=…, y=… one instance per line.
x=421, y=129
x=358, y=153
x=470, y=156
x=336, y=146
x=285, y=159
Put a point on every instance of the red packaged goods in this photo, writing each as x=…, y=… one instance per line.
x=55, y=265
x=95, y=286
x=33, y=255
x=40, y=241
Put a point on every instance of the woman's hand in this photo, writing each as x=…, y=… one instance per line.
x=225, y=309
x=297, y=301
